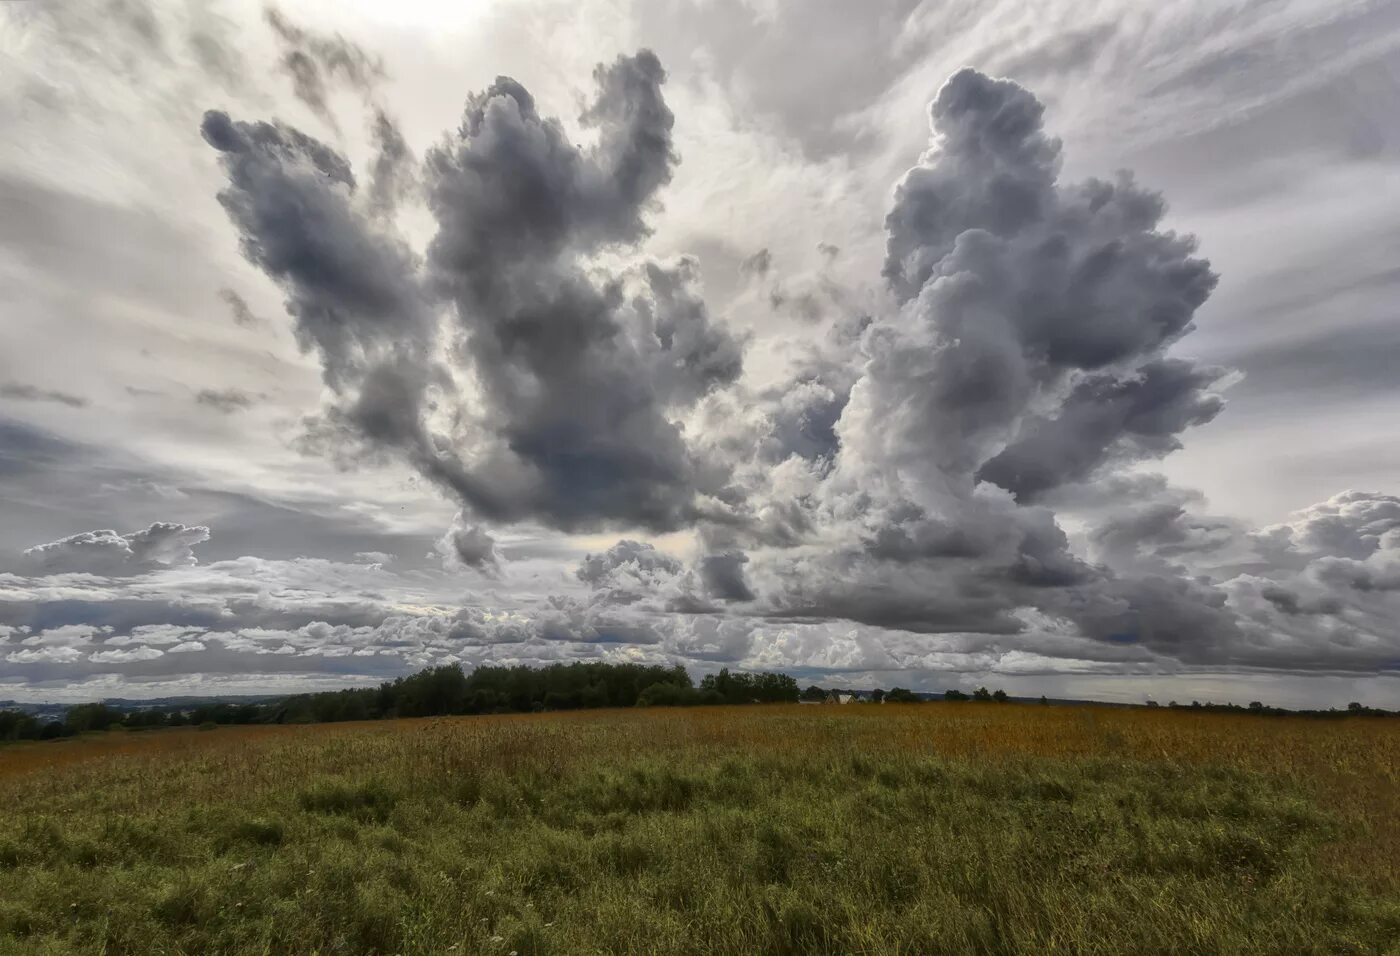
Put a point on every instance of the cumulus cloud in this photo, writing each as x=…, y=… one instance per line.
x=469, y=546
x=1025, y=349
x=578, y=373
x=1023, y=296
x=579, y=369
x=162, y=545
x=350, y=283
x=1130, y=417
x=896, y=495
x=723, y=576
x=628, y=571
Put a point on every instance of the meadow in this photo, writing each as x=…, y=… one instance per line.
x=880, y=829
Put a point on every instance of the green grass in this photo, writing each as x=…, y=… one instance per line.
x=574, y=836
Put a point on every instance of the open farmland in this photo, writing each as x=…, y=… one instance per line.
x=932, y=828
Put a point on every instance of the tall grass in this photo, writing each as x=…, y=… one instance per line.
x=861, y=829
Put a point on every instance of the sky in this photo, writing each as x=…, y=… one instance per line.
x=1047, y=347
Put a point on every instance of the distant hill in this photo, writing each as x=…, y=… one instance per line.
x=51, y=711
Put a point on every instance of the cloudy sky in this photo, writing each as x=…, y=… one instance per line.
x=1051, y=347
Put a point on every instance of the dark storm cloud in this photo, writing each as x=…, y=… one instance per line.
x=162, y=545
x=1029, y=352
x=1017, y=287
x=1184, y=619
x=900, y=476
x=30, y=393
x=226, y=401
x=970, y=569
x=1104, y=417
x=723, y=576
x=350, y=285
x=899, y=599
x=1291, y=603
x=579, y=371
x=1162, y=529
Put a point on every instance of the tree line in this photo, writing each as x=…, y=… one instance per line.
x=439, y=691
x=448, y=690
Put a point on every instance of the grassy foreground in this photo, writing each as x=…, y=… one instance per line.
x=934, y=828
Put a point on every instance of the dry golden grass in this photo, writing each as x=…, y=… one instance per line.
x=646, y=830
x=1351, y=765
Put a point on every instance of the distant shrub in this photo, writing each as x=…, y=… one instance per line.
x=208, y=725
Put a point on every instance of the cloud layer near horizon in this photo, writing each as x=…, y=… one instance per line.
x=941, y=470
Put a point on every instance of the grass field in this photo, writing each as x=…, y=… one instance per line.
x=932, y=828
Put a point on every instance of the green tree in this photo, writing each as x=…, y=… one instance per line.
x=86, y=717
